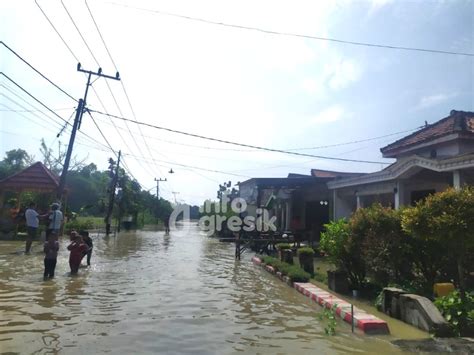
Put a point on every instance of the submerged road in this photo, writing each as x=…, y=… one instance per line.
x=150, y=293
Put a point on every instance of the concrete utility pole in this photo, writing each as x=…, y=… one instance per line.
x=113, y=187
x=81, y=107
x=158, y=196
x=158, y=186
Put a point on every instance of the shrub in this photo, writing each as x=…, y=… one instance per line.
x=448, y=218
x=344, y=251
x=297, y=274
x=78, y=225
x=306, y=251
x=459, y=314
x=283, y=246
x=386, y=247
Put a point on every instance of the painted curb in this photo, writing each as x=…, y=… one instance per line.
x=366, y=322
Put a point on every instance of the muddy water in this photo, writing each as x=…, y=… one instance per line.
x=149, y=293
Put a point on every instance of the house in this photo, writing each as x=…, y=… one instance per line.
x=427, y=161
x=302, y=200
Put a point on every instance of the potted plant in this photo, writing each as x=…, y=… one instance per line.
x=305, y=256
x=285, y=252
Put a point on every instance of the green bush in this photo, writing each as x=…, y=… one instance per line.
x=78, y=225
x=446, y=218
x=459, y=314
x=297, y=274
x=306, y=251
x=344, y=251
x=283, y=246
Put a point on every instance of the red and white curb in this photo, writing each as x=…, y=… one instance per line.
x=366, y=322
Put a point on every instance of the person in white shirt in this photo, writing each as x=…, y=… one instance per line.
x=32, y=224
x=55, y=220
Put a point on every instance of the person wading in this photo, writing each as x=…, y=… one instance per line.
x=51, y=248
x=32, y=224
x=77, y=248
x=88, y=241
x=55, y=221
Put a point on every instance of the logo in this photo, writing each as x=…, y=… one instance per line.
x=227, y=214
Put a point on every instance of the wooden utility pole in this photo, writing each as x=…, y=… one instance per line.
x=113, y=187
x=81, y=107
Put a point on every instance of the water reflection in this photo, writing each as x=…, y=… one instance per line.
x=150, y=293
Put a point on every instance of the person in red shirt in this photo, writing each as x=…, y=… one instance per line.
x=77, y=249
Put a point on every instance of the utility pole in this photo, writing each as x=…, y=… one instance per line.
x=175, y=193
x=81, y=107
x=158, y=196
x=158, y=186
x=113, y=187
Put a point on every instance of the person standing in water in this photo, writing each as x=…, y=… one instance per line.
x=51, y=248
x=77, y=249
x=55, y=220
x=88, y=241
x=32, y=224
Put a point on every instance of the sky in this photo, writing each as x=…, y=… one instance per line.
x=234, y=84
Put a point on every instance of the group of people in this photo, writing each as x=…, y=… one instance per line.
x=81, y=245
x=32, y=217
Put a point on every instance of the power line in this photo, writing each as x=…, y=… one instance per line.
x=193, y=167
x=37, y=71
x=57, y=32
x=77, y=59
x=123, y=85
x=48, y=108
x=107, y=83
x=291, y=34
x=108, y=144
x=79, y=32
x=242, y=144
x=26, y=110
x=289, y=149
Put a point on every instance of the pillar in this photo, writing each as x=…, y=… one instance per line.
x=288, y=215
x=458, y=180
x=399, y=195
x=359, y=202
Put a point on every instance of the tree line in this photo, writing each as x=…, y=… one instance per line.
x=88, y=188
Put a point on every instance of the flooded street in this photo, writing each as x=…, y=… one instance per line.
x=150, y=293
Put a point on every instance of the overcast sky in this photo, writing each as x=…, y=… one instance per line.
x=235, y=84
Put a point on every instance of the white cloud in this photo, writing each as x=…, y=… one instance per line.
x=432, y=100
x=329, y=115
x=376, y=5
x=342, y=74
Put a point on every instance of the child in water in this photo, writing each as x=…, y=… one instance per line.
x=77, y=249
x=51, y=247
x=90, y=245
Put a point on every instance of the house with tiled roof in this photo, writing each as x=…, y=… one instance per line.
x=427, y=161
x=299, y=202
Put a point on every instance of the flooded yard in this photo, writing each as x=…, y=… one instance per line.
x=150, y=293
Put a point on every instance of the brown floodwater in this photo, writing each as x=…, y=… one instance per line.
x=150, y=293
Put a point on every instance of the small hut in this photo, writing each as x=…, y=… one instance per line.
x=35, y=178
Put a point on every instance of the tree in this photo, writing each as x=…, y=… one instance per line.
x=54, y=160
x=446, y=217
x=14, y=161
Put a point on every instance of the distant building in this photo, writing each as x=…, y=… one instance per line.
x=427, y=161
x=300, y=202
